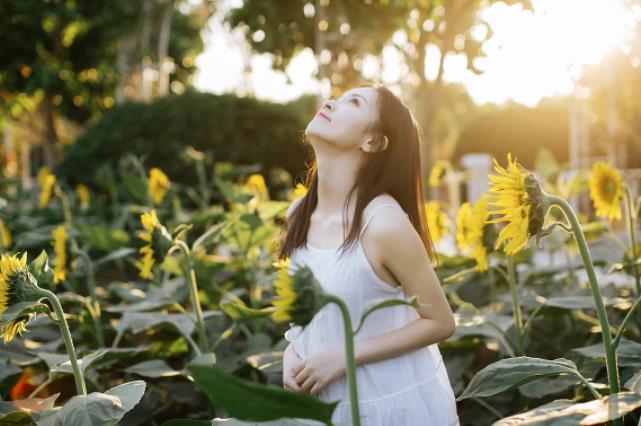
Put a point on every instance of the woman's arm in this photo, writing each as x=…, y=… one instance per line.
x=400, y=249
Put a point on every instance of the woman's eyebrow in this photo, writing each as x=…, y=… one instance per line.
x=360, y=96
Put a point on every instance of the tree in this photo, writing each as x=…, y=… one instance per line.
x=59, y=58
x=351, y=30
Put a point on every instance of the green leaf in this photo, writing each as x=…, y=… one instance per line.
x=41, y=271
x=23, y=309
x=564, y=412
x=114, y=255
x=628, y=352
x=240, y=312
x=29, y=404
x=153, y=368
x=469, y=322
x=60, y=363
x=16, y=418
x=211, y=234
x=137, y=322
x=512, y=372
x=103, y=237
x=268, y=402
x=581, y=302
x=96, y=408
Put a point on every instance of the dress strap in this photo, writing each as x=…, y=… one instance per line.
x=374, y=212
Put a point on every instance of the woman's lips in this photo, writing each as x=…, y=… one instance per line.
x=324, y=116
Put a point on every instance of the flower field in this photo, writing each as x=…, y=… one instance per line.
x=124, y=307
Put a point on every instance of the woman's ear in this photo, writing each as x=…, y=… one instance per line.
x=377, y=143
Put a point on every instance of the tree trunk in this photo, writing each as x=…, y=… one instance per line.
x=50, y=139
x=163, y=48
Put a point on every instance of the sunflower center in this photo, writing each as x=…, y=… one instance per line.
x=609, y=189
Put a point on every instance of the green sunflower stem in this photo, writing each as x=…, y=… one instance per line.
x=630, y=216
x=516, y=307
x=190, y=276
x=94, y=309
x=81, y=387
x=349, y=358
x=609, y=346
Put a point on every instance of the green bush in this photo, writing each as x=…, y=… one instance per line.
x=238, y=130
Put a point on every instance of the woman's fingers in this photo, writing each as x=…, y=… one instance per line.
x=291, y=384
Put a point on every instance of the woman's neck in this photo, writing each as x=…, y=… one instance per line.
x=336, y=177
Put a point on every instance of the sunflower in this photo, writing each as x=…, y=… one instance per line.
x=158, y=239
x=14, y=328
x=518, y=197
x=16, y=285
x=5, y=235
x=59, y=244
x=298, y=295
x=437, y=221
x=471, y=231
x=606, y=190
x=46, y=181
x=157, y=185
x=440, y=169
x=83, y=195
x=299, y=191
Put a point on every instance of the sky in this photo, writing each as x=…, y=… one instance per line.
x=530, y=55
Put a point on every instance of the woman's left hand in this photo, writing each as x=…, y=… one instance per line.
x=317, y=371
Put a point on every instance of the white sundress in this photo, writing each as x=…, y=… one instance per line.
x=408, y=390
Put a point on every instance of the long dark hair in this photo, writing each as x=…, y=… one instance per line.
x=396, y=170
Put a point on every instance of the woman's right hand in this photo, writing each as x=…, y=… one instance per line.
x=290, y=357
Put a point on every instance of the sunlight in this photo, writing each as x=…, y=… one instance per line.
x=530, y=55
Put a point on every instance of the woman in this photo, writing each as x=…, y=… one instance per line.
x=367, y=165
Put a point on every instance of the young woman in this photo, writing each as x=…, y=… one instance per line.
x=367, y=167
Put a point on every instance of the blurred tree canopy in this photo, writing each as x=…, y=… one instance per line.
x=239, y=130
x=64, y=58
x=615, y=104
x=342, y=33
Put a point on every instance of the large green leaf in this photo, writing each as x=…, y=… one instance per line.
x=60, y=363
x=95, y=409
x=511, y=372
x=103, y=237
x=137, y=322
x=564, y=412
x=581, y=302
x=268, y=402
x=628, y=352
x=490, y=325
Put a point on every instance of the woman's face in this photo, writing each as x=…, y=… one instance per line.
x=346, y=121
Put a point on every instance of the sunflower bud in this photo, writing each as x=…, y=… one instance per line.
x=159, y=241
x=60, y=247
x=437, y=221
x=473, y=234
x=17, y=289
x=538, y=206
x=521, y=203
x=298, y=296
x=157, y=183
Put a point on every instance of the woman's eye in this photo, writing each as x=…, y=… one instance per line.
x=354, y=99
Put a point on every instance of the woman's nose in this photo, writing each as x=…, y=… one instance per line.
x=327, y=104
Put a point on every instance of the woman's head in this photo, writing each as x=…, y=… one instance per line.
x=374, y=124
x=349, y=122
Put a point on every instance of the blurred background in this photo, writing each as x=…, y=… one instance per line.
x=83, y=83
